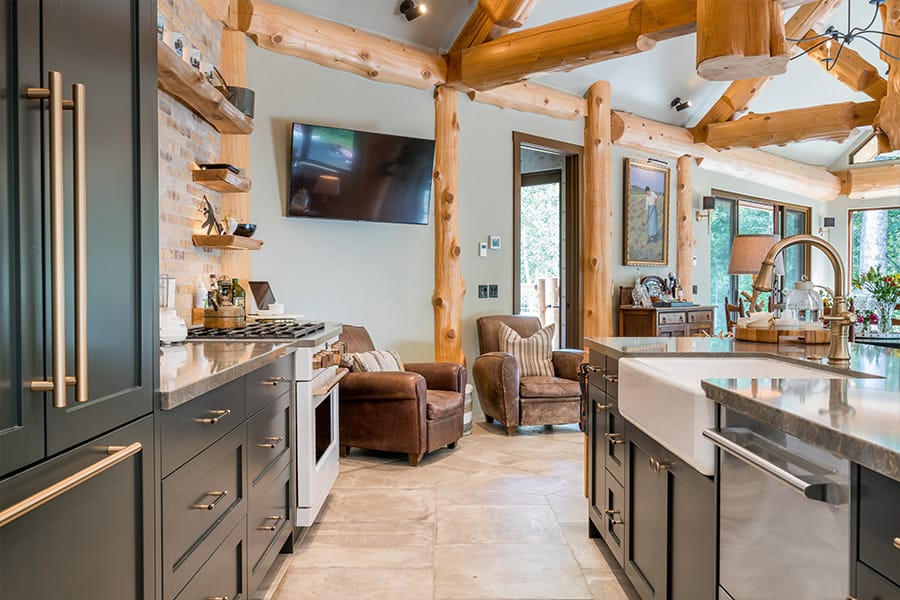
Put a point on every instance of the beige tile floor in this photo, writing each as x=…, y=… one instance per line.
x=498, y=517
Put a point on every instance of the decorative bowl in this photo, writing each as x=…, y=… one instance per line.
x=245, y=229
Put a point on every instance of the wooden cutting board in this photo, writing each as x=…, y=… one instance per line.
x=770, y=335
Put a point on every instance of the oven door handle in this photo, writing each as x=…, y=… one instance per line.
x=322, y=390
x=816, y=488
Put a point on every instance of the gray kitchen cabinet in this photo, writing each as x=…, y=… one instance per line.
x=877, y=524
x=96, y=539
x=110, y=48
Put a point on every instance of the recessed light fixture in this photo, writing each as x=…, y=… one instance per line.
x=412, y=9
x=678, y=105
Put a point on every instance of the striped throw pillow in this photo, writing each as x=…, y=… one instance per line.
x=376, y=360
x=534, y=353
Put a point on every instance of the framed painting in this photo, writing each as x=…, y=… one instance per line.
x=646, y=214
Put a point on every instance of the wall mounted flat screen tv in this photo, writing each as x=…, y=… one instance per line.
x=359, y=176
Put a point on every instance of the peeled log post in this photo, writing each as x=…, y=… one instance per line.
x=887, y=122
x=740, y=39
x=598, y=213
x=685, y=262
x=449, y=287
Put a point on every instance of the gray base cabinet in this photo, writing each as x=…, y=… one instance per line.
x=655, y=513
x=228, y=486
x=877, y=524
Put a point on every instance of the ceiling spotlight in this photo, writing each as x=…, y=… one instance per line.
x=678, y=105
x=412, y=10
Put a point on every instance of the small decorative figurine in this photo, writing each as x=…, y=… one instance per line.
x=212, y=225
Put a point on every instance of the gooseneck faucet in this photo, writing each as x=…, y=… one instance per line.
x=840, y=318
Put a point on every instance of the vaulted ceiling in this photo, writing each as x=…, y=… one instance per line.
x=642, y=83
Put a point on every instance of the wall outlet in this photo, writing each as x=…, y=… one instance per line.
x=482, y=291
x=695, y=289
x=493, y=291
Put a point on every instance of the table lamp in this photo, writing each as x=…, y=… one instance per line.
x=748, y=252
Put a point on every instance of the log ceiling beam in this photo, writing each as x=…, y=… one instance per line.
x=831, y=122
x=876, y=181
x=887, y=122
x=578, y=41
x=741, y=92
x=492, y=19
x=852, y=69
x=339, y=46
x=653, y=137
x=217, y=10
x=534, y=98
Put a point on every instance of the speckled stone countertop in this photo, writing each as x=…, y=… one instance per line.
x=191, y=369
x=857, y=418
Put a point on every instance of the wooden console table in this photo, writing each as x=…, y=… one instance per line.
x=676, y=321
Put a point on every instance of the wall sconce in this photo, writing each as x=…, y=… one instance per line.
x=412, y=10
x=709, y=203
x=827, y=223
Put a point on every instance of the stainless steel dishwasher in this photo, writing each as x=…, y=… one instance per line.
x=784, y=517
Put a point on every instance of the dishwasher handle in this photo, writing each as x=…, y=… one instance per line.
x=819, y=488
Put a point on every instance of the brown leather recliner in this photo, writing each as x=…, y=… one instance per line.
x=413, y=411
x=513, y=400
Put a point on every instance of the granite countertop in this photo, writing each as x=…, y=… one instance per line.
x=857, y=418
x=191, y=369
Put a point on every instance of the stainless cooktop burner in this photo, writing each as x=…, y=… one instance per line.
x=257, y=331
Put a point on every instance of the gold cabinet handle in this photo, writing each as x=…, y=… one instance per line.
x=79, y=169
x=611, y=378
x=614, y=438
x=218, y=496
x=602, y=407
x=271, y=442
x=217, y=415
x=217, y=598
x=273, y=380
x=593, y=369
x=897, y=543
x=276, y=518
x=658, y=466
x=610, y=512
x=116, y=454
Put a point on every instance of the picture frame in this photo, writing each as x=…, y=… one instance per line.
x=645, y=220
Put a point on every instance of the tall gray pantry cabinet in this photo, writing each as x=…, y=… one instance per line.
x=86, y=453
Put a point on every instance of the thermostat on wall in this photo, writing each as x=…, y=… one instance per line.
x=495, y=242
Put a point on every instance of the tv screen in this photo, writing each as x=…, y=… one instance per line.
x=359, y=176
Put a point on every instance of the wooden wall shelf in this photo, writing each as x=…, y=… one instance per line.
x=226, y=242
x=224, y=181
x=178, y=78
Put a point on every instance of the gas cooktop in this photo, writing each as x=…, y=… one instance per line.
x=258, y=331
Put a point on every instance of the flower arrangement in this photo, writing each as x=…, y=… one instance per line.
x=866, y=317
x=883, y=287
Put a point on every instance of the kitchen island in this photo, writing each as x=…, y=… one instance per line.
x=642, y=493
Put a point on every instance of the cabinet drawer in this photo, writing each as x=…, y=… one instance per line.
x=268, y=437
x=614, y=442
x=671, y=318
x=879, y=523
x=598, y=361
x=700, y=316
x=611, y=377
x=223, y=575
x=614, y=519
x=269, y=515
x=872, y=586
x=671, y=331
x=268, y=383
x=201, y=501
x=193, y=426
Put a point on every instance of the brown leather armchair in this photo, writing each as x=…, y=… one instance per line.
x=513, y=400
x=413, y=411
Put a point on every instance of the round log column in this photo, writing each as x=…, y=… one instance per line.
x=740, y=39
x=684, y=265
x=449, y=287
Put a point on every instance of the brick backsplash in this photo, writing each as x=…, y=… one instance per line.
x=185, y=140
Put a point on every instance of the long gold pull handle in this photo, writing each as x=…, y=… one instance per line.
x=116, y=455
x=614, y=438
x=217, y=414
x=80, y=216
x=218, y=496
x=273, y=380
x=217, y=598
x=611, y=514
x=276, y=518
x=611, y=378
x=271, y=442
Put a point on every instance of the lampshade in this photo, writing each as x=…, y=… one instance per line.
x=748, y=253
x=709, y=203
x=328, y=185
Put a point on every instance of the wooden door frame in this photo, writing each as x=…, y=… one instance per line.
x=572, y=251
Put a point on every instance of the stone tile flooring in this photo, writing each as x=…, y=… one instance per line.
x=498, y=517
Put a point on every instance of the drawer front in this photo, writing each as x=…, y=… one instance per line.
x=224, y=574
x=700, y=316
x=879, y=523
x=269, y=515
x=188, y=429
x=671, y=331
x=268, y=437
x=872, y=586
x=671, y=318
x=614, y=519
x=598, y=361
x=614, y=443
x=201, y=501
x=611, y=377
x=268, y=383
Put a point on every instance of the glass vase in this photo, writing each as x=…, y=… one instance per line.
x=885, y=313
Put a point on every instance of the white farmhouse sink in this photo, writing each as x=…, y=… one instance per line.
x=663, y=397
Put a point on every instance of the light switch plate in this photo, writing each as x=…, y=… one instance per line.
x=482, y=249
x=493, y=291
x=495, y=242
x=482, y=291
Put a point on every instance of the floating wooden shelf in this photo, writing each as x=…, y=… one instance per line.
x=226, y=242
x=178, y=78
x=225, y=181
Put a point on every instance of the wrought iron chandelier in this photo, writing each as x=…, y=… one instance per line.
x=833, y=35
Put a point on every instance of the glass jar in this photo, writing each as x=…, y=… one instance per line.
x=804, y=303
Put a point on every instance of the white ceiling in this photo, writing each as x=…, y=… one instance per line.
x=643, y=84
